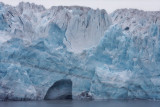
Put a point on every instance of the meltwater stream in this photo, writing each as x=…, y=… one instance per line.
x=73, y=103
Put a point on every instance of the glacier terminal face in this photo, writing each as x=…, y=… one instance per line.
x=114, y=56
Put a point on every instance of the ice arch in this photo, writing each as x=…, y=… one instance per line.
x=61, y=89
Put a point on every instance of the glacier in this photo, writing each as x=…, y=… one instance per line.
x=103, y=56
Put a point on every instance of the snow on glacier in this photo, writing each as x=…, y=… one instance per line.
x=106, y=57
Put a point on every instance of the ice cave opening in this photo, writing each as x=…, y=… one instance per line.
x=60, y=90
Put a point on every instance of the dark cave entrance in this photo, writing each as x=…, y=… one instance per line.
x=60, y=90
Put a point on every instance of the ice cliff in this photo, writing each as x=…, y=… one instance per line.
x=81, y=52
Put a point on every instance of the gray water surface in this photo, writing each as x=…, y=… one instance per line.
x=73, y=103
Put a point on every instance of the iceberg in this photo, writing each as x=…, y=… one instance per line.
x=79, y=53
